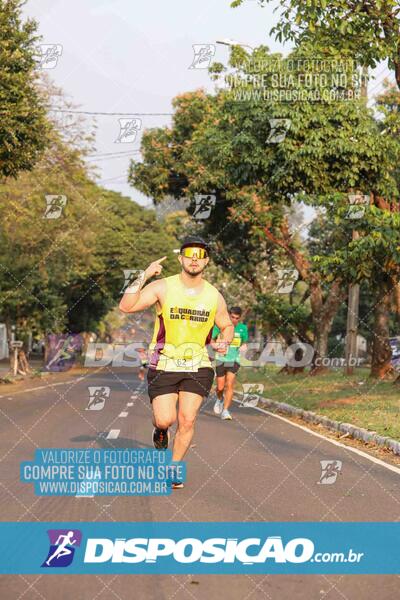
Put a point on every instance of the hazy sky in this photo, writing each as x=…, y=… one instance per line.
x=127, y=55
x=134, y=56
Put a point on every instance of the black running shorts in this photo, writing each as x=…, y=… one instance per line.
x=222, y=368
x=170, y=382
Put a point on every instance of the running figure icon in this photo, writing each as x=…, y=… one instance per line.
x=62, y=549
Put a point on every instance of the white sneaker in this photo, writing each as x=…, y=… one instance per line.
x=226, y=415
x=218, y=406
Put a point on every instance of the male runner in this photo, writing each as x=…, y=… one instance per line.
x=228, y=365
x=180, y=368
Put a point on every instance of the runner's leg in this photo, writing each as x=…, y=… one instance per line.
x=220, y=387
x=164, y=410
x=219, y=403
x=229, y=387
x=189, y=405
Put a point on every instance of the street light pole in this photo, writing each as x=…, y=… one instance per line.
x=228, y=42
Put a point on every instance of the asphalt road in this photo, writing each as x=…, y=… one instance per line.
x=254, y=468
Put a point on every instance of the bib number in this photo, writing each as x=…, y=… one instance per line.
x=186, y=364
x=236, y=341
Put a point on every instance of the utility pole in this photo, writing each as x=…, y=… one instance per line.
x=352, y=322
x=354, y=288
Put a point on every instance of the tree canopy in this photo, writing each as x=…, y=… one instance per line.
x=23, y=123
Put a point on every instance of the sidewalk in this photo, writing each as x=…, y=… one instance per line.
x=35, y=363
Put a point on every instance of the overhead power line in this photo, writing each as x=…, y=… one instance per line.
x=101, y=154
x=112, y=114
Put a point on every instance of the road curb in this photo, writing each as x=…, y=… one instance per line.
x=358, y=433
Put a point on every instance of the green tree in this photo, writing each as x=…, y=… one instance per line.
x=23, y=123
x=367, y=30
x=219, y=144
x=63, y=274
x=373, y=257
x=126, y=236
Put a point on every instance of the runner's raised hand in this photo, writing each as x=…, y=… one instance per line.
x=154, y=268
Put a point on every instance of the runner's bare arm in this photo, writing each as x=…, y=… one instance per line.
x=214, y=342
x=135, y=298
x=224, y=323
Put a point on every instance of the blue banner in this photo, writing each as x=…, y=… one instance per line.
x=215, y=548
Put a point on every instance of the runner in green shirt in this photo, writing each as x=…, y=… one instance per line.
x=228, y=365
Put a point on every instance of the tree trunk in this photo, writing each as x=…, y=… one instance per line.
x=396, y=300
x=397, y=67
x=7, y=321
x=298, y=357
x=381, y=351
x=23, y=364
x=46, y=349
x=321, y=339
x=320, y=347
x=323, y=314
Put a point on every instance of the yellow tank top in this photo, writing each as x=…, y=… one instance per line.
x=183, y=328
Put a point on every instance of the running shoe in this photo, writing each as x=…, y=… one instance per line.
x=218, y=406
x=226, y=415
x=177, y=485
x=160, y=438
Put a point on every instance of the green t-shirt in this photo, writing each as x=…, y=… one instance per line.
x=241, y=336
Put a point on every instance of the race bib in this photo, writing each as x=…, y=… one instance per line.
x=236, y=341
x=188, y=365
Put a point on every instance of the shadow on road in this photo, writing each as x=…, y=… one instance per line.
x=102, y=442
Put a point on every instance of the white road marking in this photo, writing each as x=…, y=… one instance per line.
x=113, y=434
x=41, y=387
x=130, y=404
x=336, y=443
x=123, y=414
